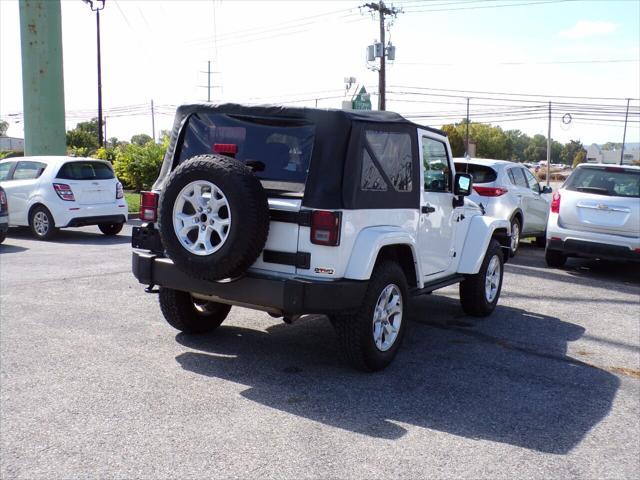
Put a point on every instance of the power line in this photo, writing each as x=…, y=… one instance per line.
x=490, y=6
x=558, y=62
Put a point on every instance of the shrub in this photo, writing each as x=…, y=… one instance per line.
x=138, y=166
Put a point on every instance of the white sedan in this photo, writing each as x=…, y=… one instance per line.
x=47, y=193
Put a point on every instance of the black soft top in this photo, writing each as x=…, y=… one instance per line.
x=335, y=134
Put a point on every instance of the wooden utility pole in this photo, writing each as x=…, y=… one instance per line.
x=153, y=122
x=624, y=135
x=383, y=11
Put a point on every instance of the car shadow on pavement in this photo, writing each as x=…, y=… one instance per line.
x=74, y=237
x=5, y=248
x=506, y=378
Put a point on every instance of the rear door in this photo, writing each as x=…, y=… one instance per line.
x=602, y=200
x=92, y=182
x=537, y=206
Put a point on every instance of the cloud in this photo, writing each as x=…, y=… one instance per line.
x=586, y=28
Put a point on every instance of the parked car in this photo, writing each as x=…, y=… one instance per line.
x=4, y=215
x=510, y=191
x=47, y=193
x=302, y=211
x=596, y=214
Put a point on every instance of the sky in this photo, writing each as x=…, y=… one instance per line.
x=519, y=53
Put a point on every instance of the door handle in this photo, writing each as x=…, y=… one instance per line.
x=428, y=209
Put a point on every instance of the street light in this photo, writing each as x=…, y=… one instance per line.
x=96, y=6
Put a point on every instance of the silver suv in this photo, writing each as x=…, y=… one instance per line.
x=509, y=191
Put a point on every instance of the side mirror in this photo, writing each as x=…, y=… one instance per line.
x=462, y=185
x=546, y=189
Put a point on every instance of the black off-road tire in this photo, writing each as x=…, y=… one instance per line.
x=472, y=289
x=555, y=258
x=355, y=331
x=515, y=223
x=110, y=229
x=249, y=217
x=190, y=315
x=50, y=232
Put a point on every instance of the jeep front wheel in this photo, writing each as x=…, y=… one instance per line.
x=191, y=315
x=479, y=293
x=372, y=335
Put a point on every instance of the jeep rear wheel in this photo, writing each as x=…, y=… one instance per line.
x=214, y=217
x=191, y=315
x=372, y=335
x=479, y=293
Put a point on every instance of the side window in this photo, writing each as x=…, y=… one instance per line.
x=437, y=173
x=531, y=180
x=5, y=168
x=28, y=170
x=521, y=181
x=392, y=151
x=512, y=177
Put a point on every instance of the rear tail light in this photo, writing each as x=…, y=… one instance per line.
x=149, y=206
x=325, y=228
x=119, y=190
x=555, y=203
x=490, y=191
x=64, y=192
x=229, y=149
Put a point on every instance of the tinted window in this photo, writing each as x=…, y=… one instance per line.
x=5, y=168
x=370, y=179
x=85, y=171
x=605, y=181
x=480, y=173
x=437, y=174
x=519, y=177
x=531, y=180
x=279, y=149
x=28, y=170
x=393, y=153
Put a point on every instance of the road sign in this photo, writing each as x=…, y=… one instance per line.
x=362, y=100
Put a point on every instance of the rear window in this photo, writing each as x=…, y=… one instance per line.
x=86, y=171
x=610, y=181
x=480, y=173
x=278, y=149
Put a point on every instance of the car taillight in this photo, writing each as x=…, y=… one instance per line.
x=325, y=228
x=228, y=149
x=64, y=192
x=555, y=203
x=490, y=191
x=119, y=190
x=149, y=206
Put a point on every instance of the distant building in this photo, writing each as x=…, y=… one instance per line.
x=11, y=143
x=595, y=154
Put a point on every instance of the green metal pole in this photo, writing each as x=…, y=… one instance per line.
x=42, y=77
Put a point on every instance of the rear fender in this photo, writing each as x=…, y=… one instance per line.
x=481, y=230
x=369, y=243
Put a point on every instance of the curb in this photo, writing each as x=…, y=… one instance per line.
x=133, y=216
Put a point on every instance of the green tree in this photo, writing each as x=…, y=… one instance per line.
x=84, y=138
x=141, y=139
x=570, y=150
x=580, y=157
x=517, y=142
x=537, y=149
x=4, y=126
x=455, y=139
x=138, y=166
x=491, y=141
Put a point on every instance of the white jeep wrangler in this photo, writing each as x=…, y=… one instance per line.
x=302, y=211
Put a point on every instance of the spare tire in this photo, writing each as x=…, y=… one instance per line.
x=213, y=217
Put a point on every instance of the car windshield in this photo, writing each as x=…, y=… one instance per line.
x=277, y=149
x=88, y=170
x=610, y=181
x=480, y=173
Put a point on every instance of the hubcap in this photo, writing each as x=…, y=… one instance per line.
x=41, y=223
x=515, y=236
x=201, y=218
x=492, y=280
x=387, y=317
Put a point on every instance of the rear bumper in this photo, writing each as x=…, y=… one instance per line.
x=83, y=221
x=292, y=296
x=581, y=248
x=65, y=217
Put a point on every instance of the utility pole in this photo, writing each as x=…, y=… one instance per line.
x=466, y=139
x=208, y=86
x=383, y=11
x=624, y=135
x=153, y=122
x=549, y=148
x=99, y=5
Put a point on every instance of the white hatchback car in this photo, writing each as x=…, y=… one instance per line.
x=47, y=193
x=509, y=191
x=596, y=214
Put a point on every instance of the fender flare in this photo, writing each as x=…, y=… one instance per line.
x=481, y=231
x=368, y=245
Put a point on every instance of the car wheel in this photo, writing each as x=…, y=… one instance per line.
x=554, y=258
x=41, y=223
x=372, y=335
x=479, y=293
x=516, y=229
x=214, y=217
x=110, y=229
x=541, y=241
x=191, y=315
x=3, y=236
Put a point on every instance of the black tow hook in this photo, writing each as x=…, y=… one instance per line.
x=150, y=289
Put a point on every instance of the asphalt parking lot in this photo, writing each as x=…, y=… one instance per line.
x=94, y=383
